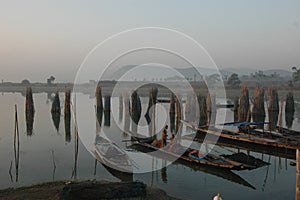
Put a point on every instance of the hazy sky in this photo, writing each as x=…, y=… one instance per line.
x=43, y=37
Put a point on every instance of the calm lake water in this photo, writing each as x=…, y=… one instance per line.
x=48, y=155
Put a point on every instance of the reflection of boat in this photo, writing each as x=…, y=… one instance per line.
x=219, y=172
x=222, y=173
x=281, y=142
x=111, y=155
x=192, y=156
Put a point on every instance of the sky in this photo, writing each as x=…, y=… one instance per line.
x=39, y=38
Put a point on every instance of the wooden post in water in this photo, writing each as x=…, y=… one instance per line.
x=178, y=113
x=172, y=113
x=289, y=103
x=211, y=108
x=243, y=109
x=67, y=115
x=280, y=114
x=29, y=111
x=120, y=108
x=289, y=109
x=297, y=174
x=151, y=104
x=107, y=110
x=273, y=108
x=136, y=110
x=126, y=113
x=236, y=108
x=99, y=103
x=258, y=110
x=202, y=110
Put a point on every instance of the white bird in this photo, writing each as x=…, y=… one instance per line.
x=218, y=197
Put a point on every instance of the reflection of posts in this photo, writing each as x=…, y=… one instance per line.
x=29, y=111
x=67, y=115
x=107, y=111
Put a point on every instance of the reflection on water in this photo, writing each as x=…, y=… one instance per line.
x=67, y=116
x=50, y=158
x=29, y=111
x=56, y=120
x=107, y=111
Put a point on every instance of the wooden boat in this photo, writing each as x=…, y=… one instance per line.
x=141, y=139
x=224, y=142
x=111, y=155
x=192, y=156
x=279, y=142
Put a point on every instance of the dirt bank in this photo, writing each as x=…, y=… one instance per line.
x=84, y=190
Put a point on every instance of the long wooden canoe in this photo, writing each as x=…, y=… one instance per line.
x=250, y=138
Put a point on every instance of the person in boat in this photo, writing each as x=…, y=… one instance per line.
x=164, y=135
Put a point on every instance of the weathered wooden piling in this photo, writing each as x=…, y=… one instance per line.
x=273, y=108
x=151, y=104
x=280, y=114
x=178, y=113
x=29, y=111
x=126, y=113
x=258, y=110
x=289, y=109
x=136, y=110
x=190, y=112
x=211, y=110
x=273, y=100
x=289, y=103
x=67, y=115
x=172, y=113
x=107, y=110
x=236, y=108
x=202, y=110
x=120, y=108
x=244, y=104
x=99, y=103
